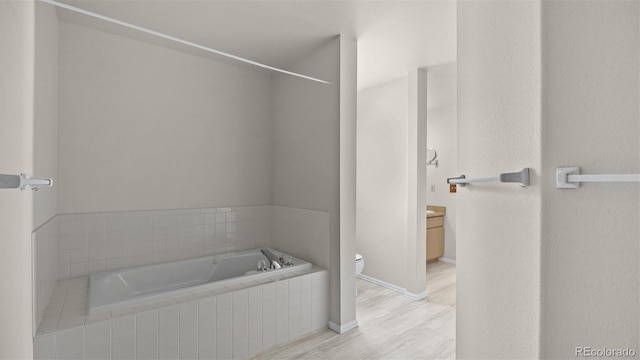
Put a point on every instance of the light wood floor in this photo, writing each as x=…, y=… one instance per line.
x=391, y=326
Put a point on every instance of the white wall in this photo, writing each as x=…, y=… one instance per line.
x=570, y=260
x=143, y=127
x=590, y=247
x=390, y=197
x=442, y=136
x=499, y=127
x=17, y=23
x=45, y=162
x=307, y=155
x=382, y=180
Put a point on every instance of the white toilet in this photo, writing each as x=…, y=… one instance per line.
x=359, y=264
x=359, y=267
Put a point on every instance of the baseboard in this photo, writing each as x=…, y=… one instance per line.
x=395, y=288
x=447, y=260
x=341, y=329
x=413, y=296
x=384, y=284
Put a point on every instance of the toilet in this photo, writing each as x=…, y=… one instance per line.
x=359, y=264
x=359, y=267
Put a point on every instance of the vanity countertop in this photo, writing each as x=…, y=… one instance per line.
x=435, y=211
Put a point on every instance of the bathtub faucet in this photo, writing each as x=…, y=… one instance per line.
x=274, y=263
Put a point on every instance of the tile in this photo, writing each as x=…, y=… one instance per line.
x=144, y=308
x=269, y=291
x=294, y=297
x=188, y=331
x=147, y=322
x=170, y=352
x=224, y=302
x=79, y=269
x=224, y=319
x=240, y=348
x=240, y=298
x=207, y=324
x=240, y=314
x=79, y=241
x=151, y=355
x=95, y=318
x=69, y=322
x=268, y=321
x=224, y=351
x=123, y=328
x=255, y=295
x=209, y=218
x=96, y=266
x=64, y=242
x=221, y=218
x=69, y=343
x=189, y=349
x=188, y=311
x=269, y=306
x=224, y=337
x=282, y=288
x=255, y=344
x=255, y=323
x=294, y=322
x=207, y=306
x=97, y=341
x=240, y=330
x=305, y=318
x=43, y=347
x=282, y=335
x=63, y=257
x=206, y=348
x=121, y=312
x=147, y=342
x=123, y=350
x=64, y=228
x=282, y=302
x=169, y=325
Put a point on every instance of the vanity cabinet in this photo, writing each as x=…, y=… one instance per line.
x=435, y=232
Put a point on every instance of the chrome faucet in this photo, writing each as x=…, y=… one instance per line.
x=274, y=262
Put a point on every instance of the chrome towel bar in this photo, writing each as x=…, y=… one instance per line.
x=23, y=182
x=521, y=177
x=570, y=178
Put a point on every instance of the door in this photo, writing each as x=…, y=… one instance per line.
x=16, y=156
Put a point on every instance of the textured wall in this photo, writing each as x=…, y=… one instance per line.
x=382, y=179
x=590, y=247
x=144, y=127
x=499, y=126
x=45, y=141
x=17, y=24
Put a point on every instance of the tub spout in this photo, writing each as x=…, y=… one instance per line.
x=274, y=263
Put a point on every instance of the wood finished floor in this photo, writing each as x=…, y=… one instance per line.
x=391, y=326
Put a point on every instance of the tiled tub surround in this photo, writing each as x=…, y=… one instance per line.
x=73, y=245
x=107, y=241
x=45, y=267
x=238, y=321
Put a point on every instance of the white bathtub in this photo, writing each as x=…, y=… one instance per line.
x=125, y=287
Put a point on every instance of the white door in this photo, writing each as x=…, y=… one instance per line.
x=16, y=156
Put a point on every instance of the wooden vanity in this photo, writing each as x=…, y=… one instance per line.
x=435, y=232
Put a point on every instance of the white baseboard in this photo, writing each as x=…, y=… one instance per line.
x=413, y=296
x=395, y=288
x=341, y=329
x=384, y=284
x=447, y=260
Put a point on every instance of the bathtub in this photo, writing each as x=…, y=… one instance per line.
x=126, y=287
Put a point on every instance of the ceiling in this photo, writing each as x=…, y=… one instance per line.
x=393, y=36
